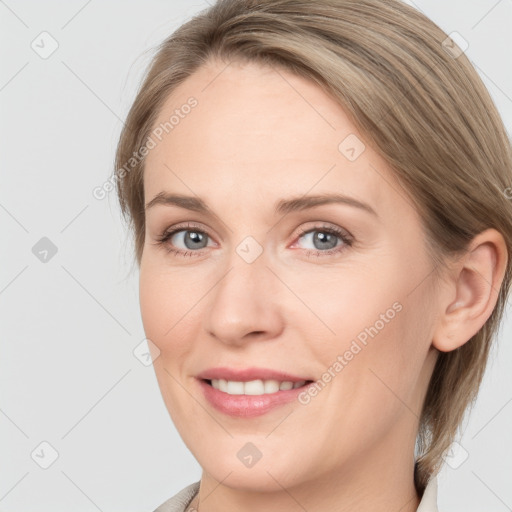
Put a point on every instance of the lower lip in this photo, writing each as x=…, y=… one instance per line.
x=248, y=406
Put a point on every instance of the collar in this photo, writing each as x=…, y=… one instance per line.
x=428, y=501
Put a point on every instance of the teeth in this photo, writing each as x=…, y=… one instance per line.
x=235, y=388
x=254, y=387
x=222, y=385
x=271, y=386
x=286, y=385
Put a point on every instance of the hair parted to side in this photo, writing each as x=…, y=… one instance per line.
x=425, y=111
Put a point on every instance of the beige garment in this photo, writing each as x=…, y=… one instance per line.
x=179, y=502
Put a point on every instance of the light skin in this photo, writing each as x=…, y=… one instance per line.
x=256, y=137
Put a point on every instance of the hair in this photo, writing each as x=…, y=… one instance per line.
x=418, y=102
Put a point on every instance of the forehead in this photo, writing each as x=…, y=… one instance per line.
x=256, y=134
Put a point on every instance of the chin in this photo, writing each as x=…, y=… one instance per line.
x=251, y=463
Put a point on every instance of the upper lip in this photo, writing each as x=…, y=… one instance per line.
x=248, y=374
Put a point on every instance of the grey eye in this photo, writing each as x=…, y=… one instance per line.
x=321, y=240
x=190, y=239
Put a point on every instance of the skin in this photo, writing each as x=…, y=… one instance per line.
x=258, y=136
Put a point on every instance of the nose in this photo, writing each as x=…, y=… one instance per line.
x=244, y=305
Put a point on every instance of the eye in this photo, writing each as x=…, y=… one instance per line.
x=185, y=240
x=325, y=240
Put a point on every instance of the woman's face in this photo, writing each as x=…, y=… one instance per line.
x=264, y=275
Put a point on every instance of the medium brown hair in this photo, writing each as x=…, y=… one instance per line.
x=414, y=97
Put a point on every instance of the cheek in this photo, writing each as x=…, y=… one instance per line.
x=171, y=314
x=167, y=324
x=153, y=305
x=350, y=307
x=160, y=307
x=385, y=372
x=378, y=338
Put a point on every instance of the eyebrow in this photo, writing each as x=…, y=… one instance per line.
x=284, y=206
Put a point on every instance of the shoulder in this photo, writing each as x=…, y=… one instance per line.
x=180, y=501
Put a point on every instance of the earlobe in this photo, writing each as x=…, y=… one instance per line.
x=472, y=291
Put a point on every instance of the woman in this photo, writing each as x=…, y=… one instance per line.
x=317, y=192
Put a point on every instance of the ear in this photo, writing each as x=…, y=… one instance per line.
x=472, y=290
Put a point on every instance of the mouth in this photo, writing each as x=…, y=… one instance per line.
x=250, y=392
x=255, y=387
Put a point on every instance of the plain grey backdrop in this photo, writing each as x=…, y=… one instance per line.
x=82, y=423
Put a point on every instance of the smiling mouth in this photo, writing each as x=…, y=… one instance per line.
x=254, y=387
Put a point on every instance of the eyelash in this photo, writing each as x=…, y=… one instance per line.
x=345, y=238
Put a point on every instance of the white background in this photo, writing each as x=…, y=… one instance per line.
x=69, y=326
